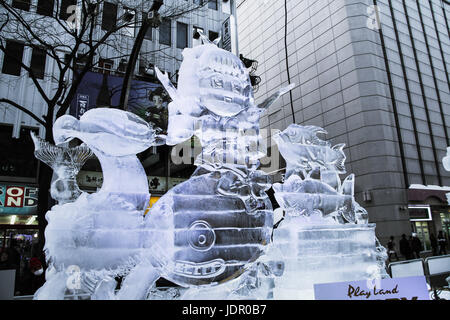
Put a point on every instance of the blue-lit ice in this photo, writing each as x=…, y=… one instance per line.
x=325, y=235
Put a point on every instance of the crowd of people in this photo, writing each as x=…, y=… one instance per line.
x=411, y=248
x=25, y=259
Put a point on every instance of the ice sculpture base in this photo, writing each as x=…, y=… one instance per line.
x=323, y=254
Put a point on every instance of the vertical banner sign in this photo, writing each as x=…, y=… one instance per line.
x=229, y=35
x=18, y=200
x=409, y=288
x=226, y=35
x=82, y=104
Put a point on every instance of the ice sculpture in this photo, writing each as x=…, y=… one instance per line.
x=446, y=163
x=98, y=236
x=211, y=228
x=66, y=163
x=325, y=235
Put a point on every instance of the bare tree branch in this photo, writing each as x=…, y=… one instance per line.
x=21, y=108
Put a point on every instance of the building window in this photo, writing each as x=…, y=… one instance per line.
x=226, y=7
x=149, y=34
x=212, y=4
x=213, y=35
x=45, y=7
x=129, y=16
x=12, y=58
x=22, y=4
x=182, y=35
x=109, y=17
x=165, y=32
x=105, y=66
x=16, y=155
x=37, y=63
x=67, y=9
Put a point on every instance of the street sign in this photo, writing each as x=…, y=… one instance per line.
x=409, y=288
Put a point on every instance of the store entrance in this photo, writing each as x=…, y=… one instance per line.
x=423, y=233
x=18, y=244
x=445, y=220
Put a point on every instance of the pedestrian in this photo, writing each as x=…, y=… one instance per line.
x=434, y=244
x=34, y=277
x=442, y=242
x=391, y=248
x=405, y=248
x=5, y=262
x=416, y=246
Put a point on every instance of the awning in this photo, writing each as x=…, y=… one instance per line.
x=421, y=193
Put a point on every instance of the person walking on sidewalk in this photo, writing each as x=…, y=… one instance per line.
x=442, y=242
x=434, y=244
x=405, y=249
x=416, y=246
x=391, y=249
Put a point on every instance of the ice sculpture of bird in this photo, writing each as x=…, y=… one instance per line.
x=100, y=232
x=109, y=131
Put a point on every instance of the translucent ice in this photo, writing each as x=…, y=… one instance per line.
x=218, y=223
x=204, y=232
x=446, y=160
x=446, y=163
x=100, y=231
x=324, y=236
x=66, y=163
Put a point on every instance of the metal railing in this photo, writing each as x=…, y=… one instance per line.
x=436, y=271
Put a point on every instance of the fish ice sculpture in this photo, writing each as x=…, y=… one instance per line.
x=304, y=151
x=324, y=236
x=325, y=197
x=100, y=232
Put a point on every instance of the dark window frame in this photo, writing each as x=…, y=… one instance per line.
x=167, y=33
x=212, y=35
x=21, y=4
x=109, y=16
x=182, y=43
x=11, y=64
x=38, y=59
x=213, y=4
x=44, y=8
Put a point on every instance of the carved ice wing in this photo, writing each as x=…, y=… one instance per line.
x=165, y=81
x=269, y=101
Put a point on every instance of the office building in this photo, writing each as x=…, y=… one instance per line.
x=375, y=75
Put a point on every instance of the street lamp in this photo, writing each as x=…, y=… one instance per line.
x=152, y=20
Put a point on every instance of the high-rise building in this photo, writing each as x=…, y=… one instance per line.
x=375, y=75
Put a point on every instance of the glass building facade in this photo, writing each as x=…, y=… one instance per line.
x=375, y=75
